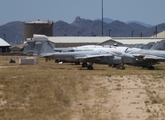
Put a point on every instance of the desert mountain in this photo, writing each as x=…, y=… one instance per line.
x=13, y=32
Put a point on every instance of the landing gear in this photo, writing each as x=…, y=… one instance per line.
x=47, y=59
x=84, y=64
x=56, y=61
x=114, y=65
x=87, y=65
x=90, y=67
x=121, y=66
x=151, y=67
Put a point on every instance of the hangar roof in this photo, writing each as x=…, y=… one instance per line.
x=4, y=43
x=100, y=39
x=136, y=40
x=78, y=39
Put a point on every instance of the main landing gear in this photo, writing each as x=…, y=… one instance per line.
x=150, y=67
x=84, y=64
x=89, y=66
x=119, y=66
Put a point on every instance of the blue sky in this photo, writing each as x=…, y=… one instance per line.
x=147, y=11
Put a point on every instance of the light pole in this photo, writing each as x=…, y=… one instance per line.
x=156, y=31
x=110, y=32
x=132, y=33
x=4, y=35
x=102, y=17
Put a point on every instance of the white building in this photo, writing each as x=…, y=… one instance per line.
x=68, y=41
x=4, y=46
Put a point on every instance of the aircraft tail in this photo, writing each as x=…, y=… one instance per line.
x=42, y=48
x=160, y=45
x=38, y=47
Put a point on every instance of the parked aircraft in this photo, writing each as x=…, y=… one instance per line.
x=146, y=58
x=98, y=54
x=87, y=54
x=160, y=45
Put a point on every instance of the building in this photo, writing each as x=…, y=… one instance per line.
x=68, y=41
x=137, y=40
x=160, y=35
x=17, y=48
x=72, y=41
x=4, y=46
x=38, y=27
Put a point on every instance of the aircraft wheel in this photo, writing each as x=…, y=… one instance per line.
x=118, y=67
x=90, y=67
x=151, y=67
x=84, y=64
x=56, y=61
x=143, y=66
x=122, y=68
x=109, y=65
x=115, y=65
x=47, y=59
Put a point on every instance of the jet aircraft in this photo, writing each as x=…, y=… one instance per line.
x=86, y=54
x=97, y=54
x=146, y=58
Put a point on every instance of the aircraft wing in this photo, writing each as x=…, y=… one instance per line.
x=154, y=58
x=92, y=56
x=150, y=57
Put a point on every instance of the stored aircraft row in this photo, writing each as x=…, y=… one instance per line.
x=89, y=54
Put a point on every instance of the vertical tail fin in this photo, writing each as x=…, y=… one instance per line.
x=38, y=47
x=160, y=45
x=42, y=48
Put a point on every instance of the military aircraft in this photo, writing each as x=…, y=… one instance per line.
x=98, y=54
x=87, y=54
x=146, y=58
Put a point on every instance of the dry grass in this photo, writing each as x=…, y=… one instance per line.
x=50, y=91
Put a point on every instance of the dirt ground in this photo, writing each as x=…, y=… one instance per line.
x=122, y=98
x=53, y=92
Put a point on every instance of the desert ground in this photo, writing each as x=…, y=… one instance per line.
x=52, y=91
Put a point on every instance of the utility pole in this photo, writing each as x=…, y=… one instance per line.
x=132, y=33
x=110, y=33
x=102, y=17
x=156, y=31
x=4, y=35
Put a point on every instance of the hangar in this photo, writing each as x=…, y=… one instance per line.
x=4, y=46
x=137, y=40
x=71, y=41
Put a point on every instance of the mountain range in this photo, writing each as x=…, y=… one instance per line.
x=13, y=32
